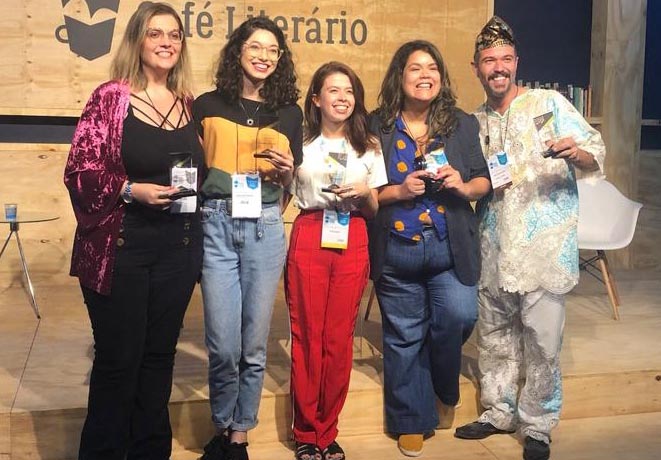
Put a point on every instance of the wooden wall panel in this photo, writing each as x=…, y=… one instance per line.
x=618, y=56
x=42, y=76
x=12, y=54
x=645, y=248
x=32, y=177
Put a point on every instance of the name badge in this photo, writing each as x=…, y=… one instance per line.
x=246, y=196
x=335, y=229
x=499, y=170
x=187, y=178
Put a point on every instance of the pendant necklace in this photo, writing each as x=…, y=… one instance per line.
x=250, y=119
x=420, y=141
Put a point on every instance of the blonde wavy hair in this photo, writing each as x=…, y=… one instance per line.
x=127, y=64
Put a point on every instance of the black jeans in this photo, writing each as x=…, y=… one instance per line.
x=135, y=330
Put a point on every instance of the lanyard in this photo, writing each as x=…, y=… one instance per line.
x=503, y=139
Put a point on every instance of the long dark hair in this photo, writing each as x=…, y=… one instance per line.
x=355, y=127
x=279, y=88
x=442, y=117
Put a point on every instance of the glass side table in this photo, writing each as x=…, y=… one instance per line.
x=14, y=226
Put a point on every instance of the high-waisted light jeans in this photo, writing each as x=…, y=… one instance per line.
x=243, y=261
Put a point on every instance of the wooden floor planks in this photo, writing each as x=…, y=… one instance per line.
x=610, y=368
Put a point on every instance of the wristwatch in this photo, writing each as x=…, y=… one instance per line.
x=127, y=196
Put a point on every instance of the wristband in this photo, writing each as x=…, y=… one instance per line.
x=127, y=195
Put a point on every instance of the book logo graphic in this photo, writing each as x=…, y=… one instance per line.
x=88, y=39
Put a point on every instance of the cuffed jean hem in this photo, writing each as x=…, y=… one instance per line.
x=235, y=426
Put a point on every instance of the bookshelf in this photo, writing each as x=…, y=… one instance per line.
x=581, y=98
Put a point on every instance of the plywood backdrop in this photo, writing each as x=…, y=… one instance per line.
x=42, y=42
x=618, y=55
x=41, y=75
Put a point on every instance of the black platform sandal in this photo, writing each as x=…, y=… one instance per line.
x=333, y=452
x=307, y=451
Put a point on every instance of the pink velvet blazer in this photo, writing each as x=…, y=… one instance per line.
x=94, y=175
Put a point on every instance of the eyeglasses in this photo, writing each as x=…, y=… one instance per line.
x=175, y=36
x=257, y=51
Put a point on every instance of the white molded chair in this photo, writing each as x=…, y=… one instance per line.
x=606, y=221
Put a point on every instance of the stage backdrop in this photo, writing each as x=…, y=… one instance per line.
x=53, y=53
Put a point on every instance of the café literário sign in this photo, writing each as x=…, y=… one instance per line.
x=53, y=53
x=205, y=19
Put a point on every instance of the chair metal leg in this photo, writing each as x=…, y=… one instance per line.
x=370, y=302
x=27, y=277
x=610, y=284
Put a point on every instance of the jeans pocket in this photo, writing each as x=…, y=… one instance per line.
x=269, y=222
x=271, y=215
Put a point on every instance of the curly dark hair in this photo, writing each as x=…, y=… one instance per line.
x=279, y=88
x=356, y=128
x=442, y=117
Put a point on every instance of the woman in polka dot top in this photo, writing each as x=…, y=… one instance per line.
x=424, y=251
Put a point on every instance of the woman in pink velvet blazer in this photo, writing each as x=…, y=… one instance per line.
x=137, y=252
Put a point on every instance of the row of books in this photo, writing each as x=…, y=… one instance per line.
x=580, y=97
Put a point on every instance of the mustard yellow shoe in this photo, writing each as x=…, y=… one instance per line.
x=410, y=444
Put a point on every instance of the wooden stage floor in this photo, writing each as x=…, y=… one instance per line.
x=612, y=371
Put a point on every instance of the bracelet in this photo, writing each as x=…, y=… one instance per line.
x=127, y=195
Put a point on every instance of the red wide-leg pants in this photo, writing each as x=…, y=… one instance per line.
x=324, y=289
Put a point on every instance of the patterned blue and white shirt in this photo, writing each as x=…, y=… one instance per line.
x=528, y=232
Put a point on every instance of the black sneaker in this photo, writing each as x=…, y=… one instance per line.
x=534, y=449
x=478, y=430
x=215, y=449
x=236, y=451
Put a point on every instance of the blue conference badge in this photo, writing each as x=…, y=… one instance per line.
x=252, y=181
x=343, y=217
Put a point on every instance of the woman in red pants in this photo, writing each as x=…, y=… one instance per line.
x=328, y=264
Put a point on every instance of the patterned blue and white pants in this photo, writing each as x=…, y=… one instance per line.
x=519, y=341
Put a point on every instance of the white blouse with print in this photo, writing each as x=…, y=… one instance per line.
x=319, y=170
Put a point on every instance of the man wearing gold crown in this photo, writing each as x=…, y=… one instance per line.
x=528, y=244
